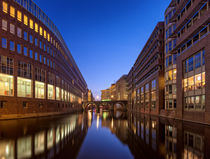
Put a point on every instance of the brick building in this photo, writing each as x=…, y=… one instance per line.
x=37, y=71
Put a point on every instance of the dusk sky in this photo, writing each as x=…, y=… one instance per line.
x=104, y=36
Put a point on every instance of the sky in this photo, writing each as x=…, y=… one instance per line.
x=104, y=36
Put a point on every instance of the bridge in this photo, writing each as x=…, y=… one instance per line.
x=108, y=105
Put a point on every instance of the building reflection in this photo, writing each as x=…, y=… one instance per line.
x=45, y=143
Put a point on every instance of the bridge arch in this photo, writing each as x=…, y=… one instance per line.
x=119, y=106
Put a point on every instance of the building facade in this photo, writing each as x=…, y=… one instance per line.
x=105, y=95
x=148, y=74
x=37, y=71
x=113, y=92
x=183, y=75
x=121, y=88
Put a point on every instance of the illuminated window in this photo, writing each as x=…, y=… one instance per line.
x=19, y=32
x=45, y=34
x=203, y=79
x=4, y=25
x=19, y=16
x=198, y=81
x=174, y=74
x=39, y=90
x=48, y=37
x=57, y=93
x=36, y=27
x=24, y=147
x=170, y=75
x=6, y=85
x=5, y=7
x=12, y=28
x=31, y=24
x=25, y=20
x=12, y=11
x=66, y=96
x=39, y=143
x=191, y=83
x=24, y=87
x=51, y=92
x=62, y=94
x=40, y=31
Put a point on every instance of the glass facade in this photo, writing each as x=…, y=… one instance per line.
x=24, y=87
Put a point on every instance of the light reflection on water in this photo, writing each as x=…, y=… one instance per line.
x=103, y=135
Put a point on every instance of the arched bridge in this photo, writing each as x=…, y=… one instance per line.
x=108, y=105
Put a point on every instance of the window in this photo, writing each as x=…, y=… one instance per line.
x=198, y=81
x=19, y=16
x=170, y=75
x=203, y=79
x=40, y=31
x=39, y=90
x=12, y=28
x=57, y=93
x=198, y=60
x=25, y=35
x=170, y=60
x=19, y=32
x=190, y=64
x=6, y=65
x=48, y=62
x=48, y=37
x=36, y=41
x=40, y=58
x=4, y=43
x=24, y=70
x=31, y=54
x=6, y=85
x=5, y=7
x=36, y=27
x=203, y=57
x=31, y=39
x=44, y=59
x=12, y=11
x=12, y=46
x=40, y=44
x=191, y=83
x=4, y=25
x=25, y=51
x=19, y=51
x=203, y=32
x=31, y=24
x=51, y=92
x=25, y=20
x=36, y=56
x=24, y=87
x=45, y=34
x=39, y=74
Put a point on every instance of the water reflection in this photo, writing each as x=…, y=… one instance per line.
x=103, y=135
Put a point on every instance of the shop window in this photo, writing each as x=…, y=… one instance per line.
x=6, y=85
x=57, y=93
x=51, y=92
x=39, y=90
x=24, y=87
x=191, y=83
x=198, y=81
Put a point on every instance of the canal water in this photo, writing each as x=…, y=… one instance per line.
x=103, y=135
